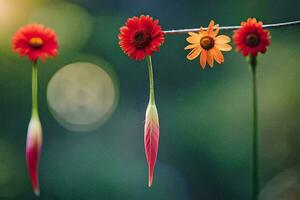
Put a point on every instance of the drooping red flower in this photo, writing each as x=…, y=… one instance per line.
x=35, y=41
x=251, y=38
x=151, y=139
x=140, y=37
x=33, y=151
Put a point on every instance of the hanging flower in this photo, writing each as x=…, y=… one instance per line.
x=251, y=38
x=33, y=150
x=208, y=45
x=151, y=139
x=35, y=41
x=141, y=37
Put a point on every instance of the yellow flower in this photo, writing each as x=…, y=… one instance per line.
x=208, y=45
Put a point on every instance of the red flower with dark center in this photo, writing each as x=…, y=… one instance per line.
x=141, y=37
x=251, y=38
x=35, y=41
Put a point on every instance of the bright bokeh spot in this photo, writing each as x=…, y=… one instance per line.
x=71, y=22
x=82, y=96
x=284, y=186
x=13, y=14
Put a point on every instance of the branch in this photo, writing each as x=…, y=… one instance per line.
x=183, y=31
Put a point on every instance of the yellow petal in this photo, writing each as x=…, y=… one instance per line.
x=216, y=32
x=191, y=46
x=210, y=58
x=203, y=59
x=222, y=39
x=223, y=47
x=194, y=53
x=193, y=39
x=202, y=32
x=193, y=34
x=218, y=56
x=210, y=27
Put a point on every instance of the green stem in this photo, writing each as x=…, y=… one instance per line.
x=255, y=144
x=34, y=90
x=150, y=68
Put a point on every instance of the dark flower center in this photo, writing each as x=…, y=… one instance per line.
x=141, y=39
x=252, y=40
x=207, y=42
x=36, y=42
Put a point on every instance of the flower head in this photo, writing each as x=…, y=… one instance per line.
x=208, y=45
x=33, y=150
x=140, y=37
x=151, y=139
x=251, y=38
x=35, y=41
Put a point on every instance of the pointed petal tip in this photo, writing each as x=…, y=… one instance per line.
x=150, y=183
x=36, y=191
x=150, y=178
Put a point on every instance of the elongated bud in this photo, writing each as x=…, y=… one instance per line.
x=151, y=138
x=33, y=150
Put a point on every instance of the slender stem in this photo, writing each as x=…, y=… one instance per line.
x=255, y=142
x=277, y=25
x=150, y=68
x=34, y=90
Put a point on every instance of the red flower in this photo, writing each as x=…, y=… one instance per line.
x=251, y=38
x=35, y=41
x=140, y=37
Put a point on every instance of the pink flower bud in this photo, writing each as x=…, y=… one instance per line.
x=151, y=138
x=33, y=150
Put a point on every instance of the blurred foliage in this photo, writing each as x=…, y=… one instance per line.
x=205, y=116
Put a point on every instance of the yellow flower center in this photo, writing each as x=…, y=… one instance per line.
x=207, y=42
x=36, y=42
x=252, y=40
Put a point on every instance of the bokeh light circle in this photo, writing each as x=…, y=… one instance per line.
x=284, y=186
x=82, y=96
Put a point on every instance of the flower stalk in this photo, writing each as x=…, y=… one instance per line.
x=151, y=80
x=34, y=80
x=255, y=139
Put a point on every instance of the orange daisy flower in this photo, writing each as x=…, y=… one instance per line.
x=208, y=45
x=35, y=41
x=251, y=38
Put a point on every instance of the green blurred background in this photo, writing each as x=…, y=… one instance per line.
x=205, y=116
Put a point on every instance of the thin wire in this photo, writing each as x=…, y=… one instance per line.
x=277, y=25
